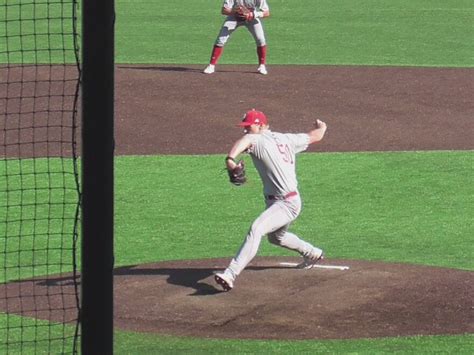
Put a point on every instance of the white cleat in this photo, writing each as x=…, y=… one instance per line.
x=310, y=260
x=225, y=281
x=262, y=69
x=210, y=69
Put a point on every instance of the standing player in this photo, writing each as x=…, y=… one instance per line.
x=246, y=13
x=273, y=155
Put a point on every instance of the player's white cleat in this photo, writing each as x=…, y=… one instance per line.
x=310, y=260
x=262, y=69
x=225, y=281
x=209, y=69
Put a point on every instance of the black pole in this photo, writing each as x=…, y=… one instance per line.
x=97, y=176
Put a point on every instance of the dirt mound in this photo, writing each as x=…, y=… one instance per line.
x=271, y=300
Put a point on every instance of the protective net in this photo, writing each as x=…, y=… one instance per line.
x=39, y=185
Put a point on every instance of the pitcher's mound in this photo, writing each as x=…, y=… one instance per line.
x=273, y=300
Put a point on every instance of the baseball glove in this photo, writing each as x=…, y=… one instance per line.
x=237, y=175
x=244, y=14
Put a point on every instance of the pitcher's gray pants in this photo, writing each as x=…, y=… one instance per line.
x=274, y=222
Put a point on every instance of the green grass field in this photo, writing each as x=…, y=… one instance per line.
x=401, y=206
x=343, y=32
x=405, y=207
x=410, y=207
x=133, y=344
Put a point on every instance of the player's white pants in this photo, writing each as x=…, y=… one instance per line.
x=274, y=222
x=255, y=27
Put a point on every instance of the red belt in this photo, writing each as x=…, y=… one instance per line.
x=288, y=195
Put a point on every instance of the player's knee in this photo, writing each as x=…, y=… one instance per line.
x=257, y=230
x=220, y=43
x=222, y=39
x=274, y=238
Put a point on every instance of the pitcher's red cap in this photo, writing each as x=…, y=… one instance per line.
x=254, y=117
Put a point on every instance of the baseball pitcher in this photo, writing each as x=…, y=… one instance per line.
x=246, y=13
x=274, y=157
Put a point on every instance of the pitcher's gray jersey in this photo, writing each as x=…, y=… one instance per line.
x=251, y=4
x=274, y=156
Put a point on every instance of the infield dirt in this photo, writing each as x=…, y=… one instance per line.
x=179, y=110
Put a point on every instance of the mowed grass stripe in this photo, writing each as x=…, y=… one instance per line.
x=142, y=343
x=408, y=207
x=325, y=32
x=365, y=32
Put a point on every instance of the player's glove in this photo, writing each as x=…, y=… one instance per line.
x=244, y=14
x=237, y=175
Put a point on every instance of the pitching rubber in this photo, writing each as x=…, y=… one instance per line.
x=334, y=267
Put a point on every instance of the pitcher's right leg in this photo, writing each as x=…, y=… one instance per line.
x=291, y=241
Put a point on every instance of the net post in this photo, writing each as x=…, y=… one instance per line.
x=97, y=176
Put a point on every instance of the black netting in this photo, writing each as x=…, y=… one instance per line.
x=39, y=183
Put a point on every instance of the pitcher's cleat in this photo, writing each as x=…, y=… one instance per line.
x=224, y=281
x=310, y=260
